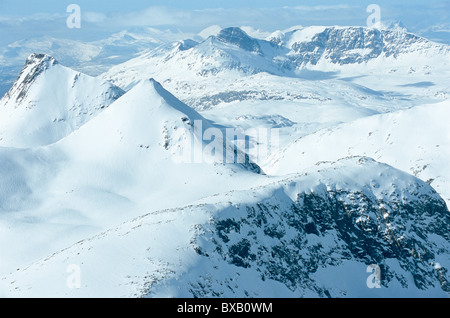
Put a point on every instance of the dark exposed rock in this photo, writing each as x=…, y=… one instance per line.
x=291, y=240
x=238, y=37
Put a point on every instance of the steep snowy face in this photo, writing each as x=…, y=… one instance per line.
x=339, y=46
x=311, y=235
x=48, y=101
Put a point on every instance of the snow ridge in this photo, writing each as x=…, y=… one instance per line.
x=124, y=172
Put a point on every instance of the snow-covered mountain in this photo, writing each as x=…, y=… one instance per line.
x=286, y=54
x=151, y=120
x=310, y=78
x=310, y=235
x=416, y=140
x=133, y=157
x=49, y=101
x=355, y=45
x=91, y=58
x=123, y=187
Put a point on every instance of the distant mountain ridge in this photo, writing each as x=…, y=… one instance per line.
x=324, y=50
x=109, y=180
x=354, y=45
x=285, y=53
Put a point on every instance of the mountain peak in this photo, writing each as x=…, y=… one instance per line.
x=186, y=44
x=397, y=26
x=40, y=59
x=238, y=37
x=149, y=85
x=357, y=45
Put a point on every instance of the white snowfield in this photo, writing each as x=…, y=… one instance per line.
x=102, y=193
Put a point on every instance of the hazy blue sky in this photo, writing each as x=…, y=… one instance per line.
x=20, y=7
x=20, y=19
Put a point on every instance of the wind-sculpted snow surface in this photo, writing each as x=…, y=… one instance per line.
x=310, y=235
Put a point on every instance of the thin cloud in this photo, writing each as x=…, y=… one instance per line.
x=322, y=7
x=153, y=16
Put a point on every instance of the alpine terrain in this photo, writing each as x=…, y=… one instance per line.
x=311, y=162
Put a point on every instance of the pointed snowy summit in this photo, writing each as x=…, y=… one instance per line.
x=49, y=101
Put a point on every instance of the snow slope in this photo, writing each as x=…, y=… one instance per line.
x=319, y=53
x=125, y=161
x=90, y=57
x=416, y=141
x=310, y=235
x=49, y=101
x=240, y=81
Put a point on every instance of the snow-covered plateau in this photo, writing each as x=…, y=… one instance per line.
x=129, y=183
